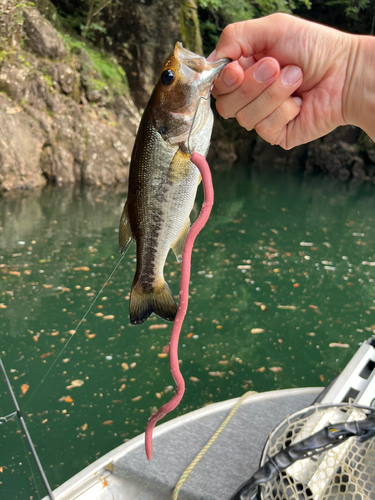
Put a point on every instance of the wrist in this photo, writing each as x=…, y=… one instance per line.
x=359, y=90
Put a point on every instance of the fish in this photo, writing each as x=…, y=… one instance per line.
x=163, y=181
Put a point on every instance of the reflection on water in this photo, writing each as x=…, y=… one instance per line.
x=282, y=271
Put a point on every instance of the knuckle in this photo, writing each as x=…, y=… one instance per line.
x=278, y=17
x=228, y=31
x=287, y=146
x=265, y=134
x=222, y=109
x=262, y=130
x=269, y=134
x=243, y=120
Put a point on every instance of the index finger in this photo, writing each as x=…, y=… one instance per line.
x=231, y=77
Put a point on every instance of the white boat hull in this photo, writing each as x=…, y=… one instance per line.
x=126, y=474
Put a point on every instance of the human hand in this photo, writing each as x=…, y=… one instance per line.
x=290, y=79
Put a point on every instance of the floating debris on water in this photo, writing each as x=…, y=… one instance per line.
x=257, y=330
x=275, y=369
x=160, y=326
x=75, y=383
x=66, y=399
x=291, y=307
x=24, y=388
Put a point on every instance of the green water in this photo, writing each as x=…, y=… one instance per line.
x=278, y=275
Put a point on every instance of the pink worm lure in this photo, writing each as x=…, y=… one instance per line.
x=201, y=163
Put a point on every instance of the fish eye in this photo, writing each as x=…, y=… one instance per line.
x=167, y=77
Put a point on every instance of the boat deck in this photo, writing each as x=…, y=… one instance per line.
x=126, y=474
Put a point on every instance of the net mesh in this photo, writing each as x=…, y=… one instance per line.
x=346, y=472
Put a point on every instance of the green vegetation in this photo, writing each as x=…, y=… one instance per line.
x=3, y=55
x=48, y=80
x=216, y=14
x=21, y=59
x=86, y=17
x=357, y=16
x=102, y=69
x=249, y=9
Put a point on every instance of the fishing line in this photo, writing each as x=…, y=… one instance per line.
x=192, y=125
x=74, y=334
x=27, y=435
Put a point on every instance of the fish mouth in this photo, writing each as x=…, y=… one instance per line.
x=205, y=72
x=211, y=71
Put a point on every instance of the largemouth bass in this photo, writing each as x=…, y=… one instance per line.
x=162, y=180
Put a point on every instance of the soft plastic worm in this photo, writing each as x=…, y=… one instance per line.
x=201, y=163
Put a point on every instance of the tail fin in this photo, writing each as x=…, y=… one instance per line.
x=158, y=300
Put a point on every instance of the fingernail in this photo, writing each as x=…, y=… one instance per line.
x=298, y=101
x=212, y=56
x=291, y=75
x=229, y=77
x=265, y=71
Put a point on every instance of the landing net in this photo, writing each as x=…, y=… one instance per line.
x=344, y=472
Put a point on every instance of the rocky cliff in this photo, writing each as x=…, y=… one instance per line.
x=65, y=111
x=68, y=113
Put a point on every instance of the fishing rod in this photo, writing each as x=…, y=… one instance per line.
x=18, y=411
x=28, y=437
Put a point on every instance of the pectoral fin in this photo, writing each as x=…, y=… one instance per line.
x=179, y=167
x=125, y=232
x=178, y=245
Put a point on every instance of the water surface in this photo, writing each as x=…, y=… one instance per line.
x=281, y=276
